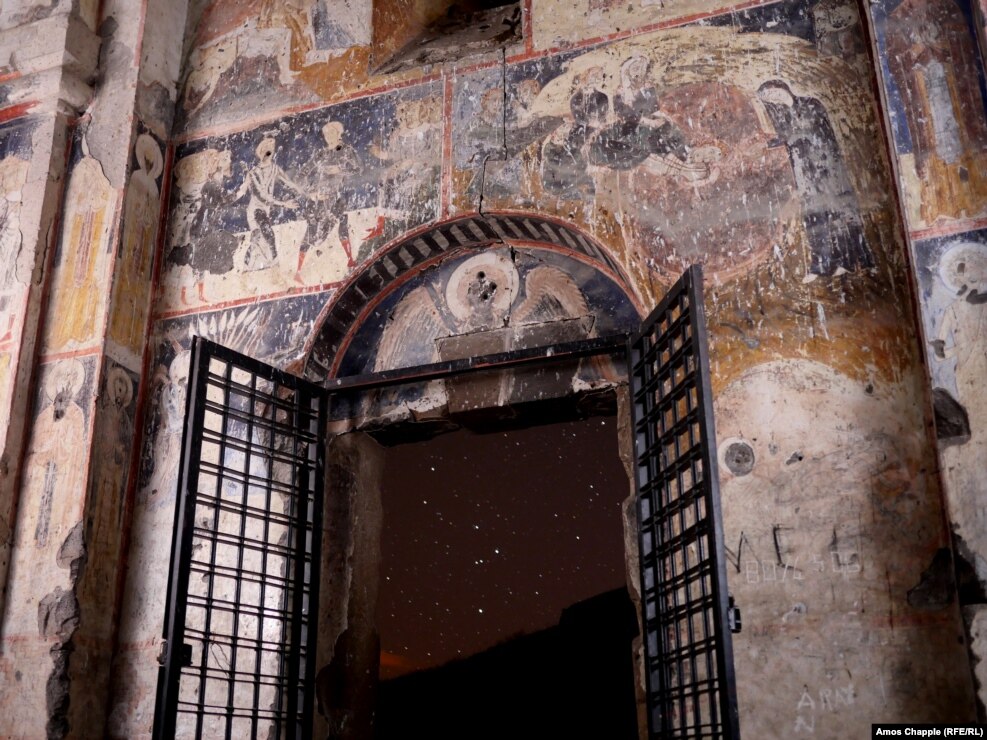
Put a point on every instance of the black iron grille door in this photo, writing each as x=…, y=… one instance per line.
x=243, y=588
x=688, y=646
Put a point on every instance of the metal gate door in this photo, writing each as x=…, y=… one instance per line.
x=243, y=586
x=687, y=614
x=238, y=660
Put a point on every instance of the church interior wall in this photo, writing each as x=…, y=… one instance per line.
x=827, y=169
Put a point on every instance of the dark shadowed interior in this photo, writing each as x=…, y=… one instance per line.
x=503, y=606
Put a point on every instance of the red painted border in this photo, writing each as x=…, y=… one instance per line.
x=529, y=54
x=620, y=280
x=953, y=228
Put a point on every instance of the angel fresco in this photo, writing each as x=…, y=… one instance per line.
x=830, y=212
x=482, y=293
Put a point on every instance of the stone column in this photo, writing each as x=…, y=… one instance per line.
x=93, y=286
x=349, y=645
x=936, y=115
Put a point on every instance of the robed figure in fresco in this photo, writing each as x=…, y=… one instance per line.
x=830, y=212
x=931, y=56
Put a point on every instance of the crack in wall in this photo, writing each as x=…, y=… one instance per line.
x=503, y=132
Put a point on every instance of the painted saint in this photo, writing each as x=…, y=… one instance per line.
x=112, y=453
x=80, y=276
x=962, y=336
x=55, y=456
x=140, y=228
x=13, y=172
x=830, y=212
x=163, y=447
x=931, y=54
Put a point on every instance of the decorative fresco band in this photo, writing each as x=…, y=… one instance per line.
x=469, y=232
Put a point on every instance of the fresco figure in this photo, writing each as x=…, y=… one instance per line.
x=13, y=172
x=931, y=56
x=262, y=185
x=962, y=336
x=55, y=455
x=504, y=172
x=564, y=155
x=197, y=241
x=830, y=213
x=140, y=230
x=325, y=175
x=639, y=129
x=164, y=439
x=112, y=451
x=80, y=278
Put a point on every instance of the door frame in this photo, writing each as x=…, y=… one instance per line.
x=673, y=688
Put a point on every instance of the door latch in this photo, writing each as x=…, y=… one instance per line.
x=185, y=657
x=733, y=617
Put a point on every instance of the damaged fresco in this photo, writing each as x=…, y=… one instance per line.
x=82, y=261
x=15, y=155
x=938, y=107
x=134, y=259
x=45, y=611
x=301, y=202
x=952, y=275
x=306, y=51
x=643, y=140
x=332, y=219
x=848, y=627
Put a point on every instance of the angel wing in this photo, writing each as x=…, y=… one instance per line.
x=550, y=295
x=409, y=336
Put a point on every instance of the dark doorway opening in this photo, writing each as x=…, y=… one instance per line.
x=503, y=608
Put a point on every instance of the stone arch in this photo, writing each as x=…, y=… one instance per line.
x=407, y=257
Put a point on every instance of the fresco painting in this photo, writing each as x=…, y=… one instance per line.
x=476, y=292
x=301, y=202
x=935, y=80
x=135, y=258
x=301, y=48
x=952, y=273
x=670, y=154
x=81, y=271
x=115, y=412
x=57, y=451
x=15, y=153
x=273, y=331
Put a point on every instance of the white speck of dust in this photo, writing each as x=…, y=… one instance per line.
x=480, y=610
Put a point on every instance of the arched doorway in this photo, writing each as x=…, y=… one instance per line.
x=502, y=284
x=258, y=438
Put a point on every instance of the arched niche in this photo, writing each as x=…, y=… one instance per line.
x=549, y=258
